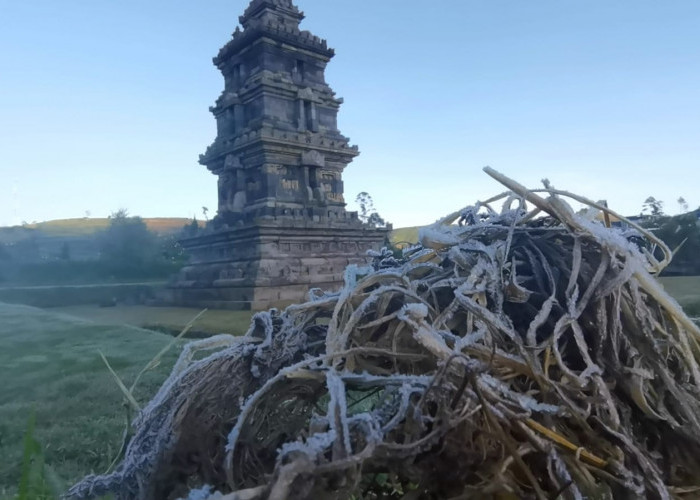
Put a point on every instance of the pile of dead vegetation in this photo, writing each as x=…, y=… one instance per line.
x=518, y=352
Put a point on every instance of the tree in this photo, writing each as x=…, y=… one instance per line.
x=4, y=254
x=367, y=213
x=190, y=229
x=653, y=207
x=127, y=247
x=682, y=234
x=65, y=251
x=205, y=211
x=364, y=200
x=374, y=220
x=682, y=204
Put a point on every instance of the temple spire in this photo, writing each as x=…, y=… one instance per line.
x=271, y=12
x=281, y=226
x=278, y=151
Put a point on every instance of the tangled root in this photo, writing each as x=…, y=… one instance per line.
x=514, y=354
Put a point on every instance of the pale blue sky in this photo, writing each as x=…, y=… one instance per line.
x=104, y=104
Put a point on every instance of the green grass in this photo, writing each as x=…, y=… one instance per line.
x=50, y=366
x=72, y=294
x=166, y=319
x=35, y=480
x=404, y=235
x=686, y=290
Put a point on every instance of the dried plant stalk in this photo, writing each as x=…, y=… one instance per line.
x=520, y=353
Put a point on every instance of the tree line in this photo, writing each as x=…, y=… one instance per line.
x=680, y=232
x=126, y=251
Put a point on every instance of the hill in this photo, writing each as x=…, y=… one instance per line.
x=82, y=227
x=403, y=235
x=85, y=227
x=89, y=226
x=68, y=251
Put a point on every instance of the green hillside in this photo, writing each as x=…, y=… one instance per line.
x=66, y=228
x=70, y=227
x=87, y=226
x=404, y=235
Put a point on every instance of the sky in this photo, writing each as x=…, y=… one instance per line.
x=104, y=103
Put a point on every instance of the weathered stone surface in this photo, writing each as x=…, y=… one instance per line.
x=281, y=227
x=268, y=265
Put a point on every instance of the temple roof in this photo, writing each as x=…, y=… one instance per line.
x=278, y=19
x=259, y=9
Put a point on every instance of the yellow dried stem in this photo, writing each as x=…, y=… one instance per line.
x=562, y=441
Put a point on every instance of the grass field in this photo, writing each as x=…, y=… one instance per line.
x=686, y=290
x=403, y=235
x=164, y=319
x=49, y=364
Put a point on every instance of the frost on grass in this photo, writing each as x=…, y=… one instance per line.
x=517, y=352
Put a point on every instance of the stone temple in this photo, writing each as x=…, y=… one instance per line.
x=281, y=227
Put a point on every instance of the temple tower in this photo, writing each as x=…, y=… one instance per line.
x=281, y=227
